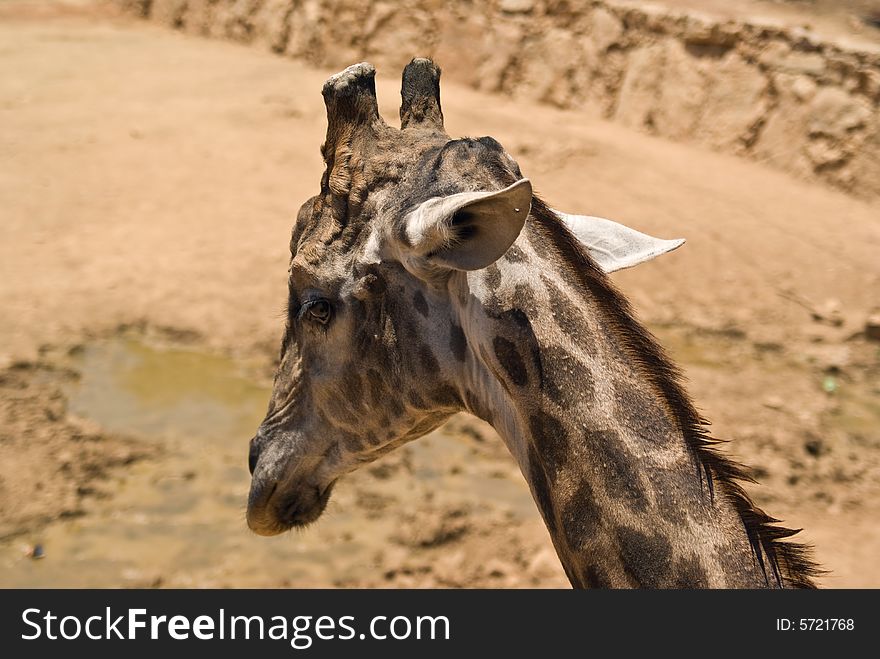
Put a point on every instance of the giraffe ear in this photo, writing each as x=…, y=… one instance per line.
x=614, y=246
x=469, y=230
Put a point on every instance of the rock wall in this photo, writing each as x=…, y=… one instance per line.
x=775, y=93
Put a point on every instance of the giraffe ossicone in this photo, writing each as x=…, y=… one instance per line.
x=426, y=278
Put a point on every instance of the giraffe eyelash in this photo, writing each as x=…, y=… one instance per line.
x=305, y=306
x=313, y=303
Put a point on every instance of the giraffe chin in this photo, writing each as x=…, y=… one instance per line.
x=282, y=511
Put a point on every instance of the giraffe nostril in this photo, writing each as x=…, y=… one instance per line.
x=290, y=511
x=253, y=456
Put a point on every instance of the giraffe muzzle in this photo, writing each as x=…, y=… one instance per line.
x=273, y=509
x=280, y=500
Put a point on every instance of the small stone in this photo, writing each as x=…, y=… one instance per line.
x=516, y=6
x=37, y=552
x=804, y=88
x=65, y=460
x=774, y=402
x=829, y=312
x=607, y=29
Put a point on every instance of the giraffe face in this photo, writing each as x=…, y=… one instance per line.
x=373, y=346
x=357, y=378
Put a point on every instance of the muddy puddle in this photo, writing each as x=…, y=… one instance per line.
x=178, y=519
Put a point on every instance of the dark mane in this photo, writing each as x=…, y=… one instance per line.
x=788, y=564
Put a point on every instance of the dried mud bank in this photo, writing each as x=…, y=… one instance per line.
x=779, y=94
x=51, y=460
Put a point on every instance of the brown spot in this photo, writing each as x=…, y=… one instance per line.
x=521, y=320
x=516, y=255
x=642, y=413
x=541, y=490
x=566, y=381
x=376, y=386
x=338, y=412
x=352, y=443
x=415, y=400
x=688, y=573
x=428, y=360
x=614, y=466
x=568, y=317
x=492, y=277
x=646, y=558
x=510, y=359
x=581, y=517
x=679, y=494
x=421, y=304
x=457, y=342
x=739, y=567
x=446, y=396
x=551, y=440
x=352, y=388
x=541, y=247
x=594, y=576
x=394, y=406
x=524, y=298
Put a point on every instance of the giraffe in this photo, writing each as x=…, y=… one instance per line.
x=427, y=278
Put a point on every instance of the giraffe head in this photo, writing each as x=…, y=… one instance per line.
x=375, y=349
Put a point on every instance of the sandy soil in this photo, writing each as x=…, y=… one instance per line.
x=149, y=179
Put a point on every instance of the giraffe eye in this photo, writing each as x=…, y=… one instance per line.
x=318, y=310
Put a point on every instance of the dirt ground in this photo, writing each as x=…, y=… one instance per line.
x=148, y=181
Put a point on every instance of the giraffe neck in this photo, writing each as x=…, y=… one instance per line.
x=625, y=499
